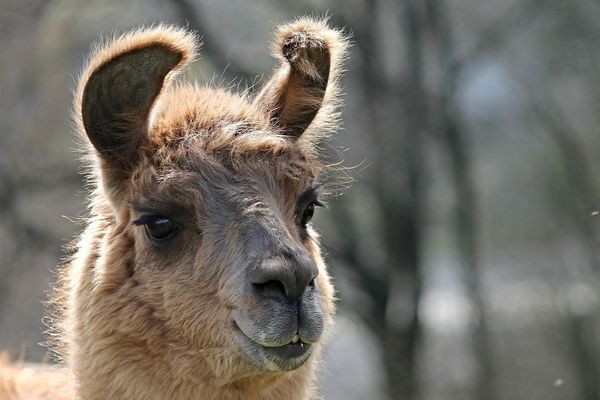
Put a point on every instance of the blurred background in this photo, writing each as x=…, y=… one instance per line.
x=466, y=251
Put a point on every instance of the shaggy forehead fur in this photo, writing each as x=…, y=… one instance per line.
x=206, y=140
x=216, y=128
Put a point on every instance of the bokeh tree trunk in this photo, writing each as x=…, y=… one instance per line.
x=453, y=136
x=397, y=168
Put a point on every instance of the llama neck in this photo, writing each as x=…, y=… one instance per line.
x=135, y=373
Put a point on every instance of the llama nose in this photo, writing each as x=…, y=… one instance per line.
x=287, y=275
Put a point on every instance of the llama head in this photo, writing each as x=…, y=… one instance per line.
x=206, y=199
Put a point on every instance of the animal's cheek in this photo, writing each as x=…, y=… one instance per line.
x=253, y=316
x=191, y=311
x=232, y=286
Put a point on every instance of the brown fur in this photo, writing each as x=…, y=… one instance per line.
x=147, y=321
x=26, y=382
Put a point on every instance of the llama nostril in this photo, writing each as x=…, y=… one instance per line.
x=272, y=288
x=284, y=277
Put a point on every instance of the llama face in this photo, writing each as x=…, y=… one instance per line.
x=212, y=195
x=233, y=236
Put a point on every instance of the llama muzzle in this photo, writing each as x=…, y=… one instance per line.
x=282, y=318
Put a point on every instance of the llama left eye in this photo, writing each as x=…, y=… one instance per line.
x=308, y=213
x=160, y=228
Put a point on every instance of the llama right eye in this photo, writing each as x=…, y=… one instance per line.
x=160, y=228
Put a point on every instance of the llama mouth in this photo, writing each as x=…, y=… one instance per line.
x=277, y=358
x=292, y=350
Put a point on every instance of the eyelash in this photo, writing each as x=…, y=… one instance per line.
x=153, y=229
x=144, y=219
x=317, y=203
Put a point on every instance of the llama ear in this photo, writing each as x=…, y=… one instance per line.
x=120, y=85
x=311, y=54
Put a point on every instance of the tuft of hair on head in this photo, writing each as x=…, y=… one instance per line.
x=303, y=95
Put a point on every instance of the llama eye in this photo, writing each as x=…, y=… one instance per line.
x=307, y=214
x=160, y=228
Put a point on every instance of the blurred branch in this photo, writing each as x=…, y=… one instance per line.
x=495, y=35
x=210, y=44
x=24, y=234
x=398, y=190
x=579, y=323
x=581, y=331
x=583, y=199
x=466, y=209
x=398, y=186
x=368, y=280
x=573, y=158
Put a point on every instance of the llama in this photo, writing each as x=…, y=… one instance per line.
x=198, y=274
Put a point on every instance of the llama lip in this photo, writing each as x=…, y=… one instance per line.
x=275, y=358
x=290, y=351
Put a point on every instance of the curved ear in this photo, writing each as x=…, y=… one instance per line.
x=311, y=55
x=119, y=86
